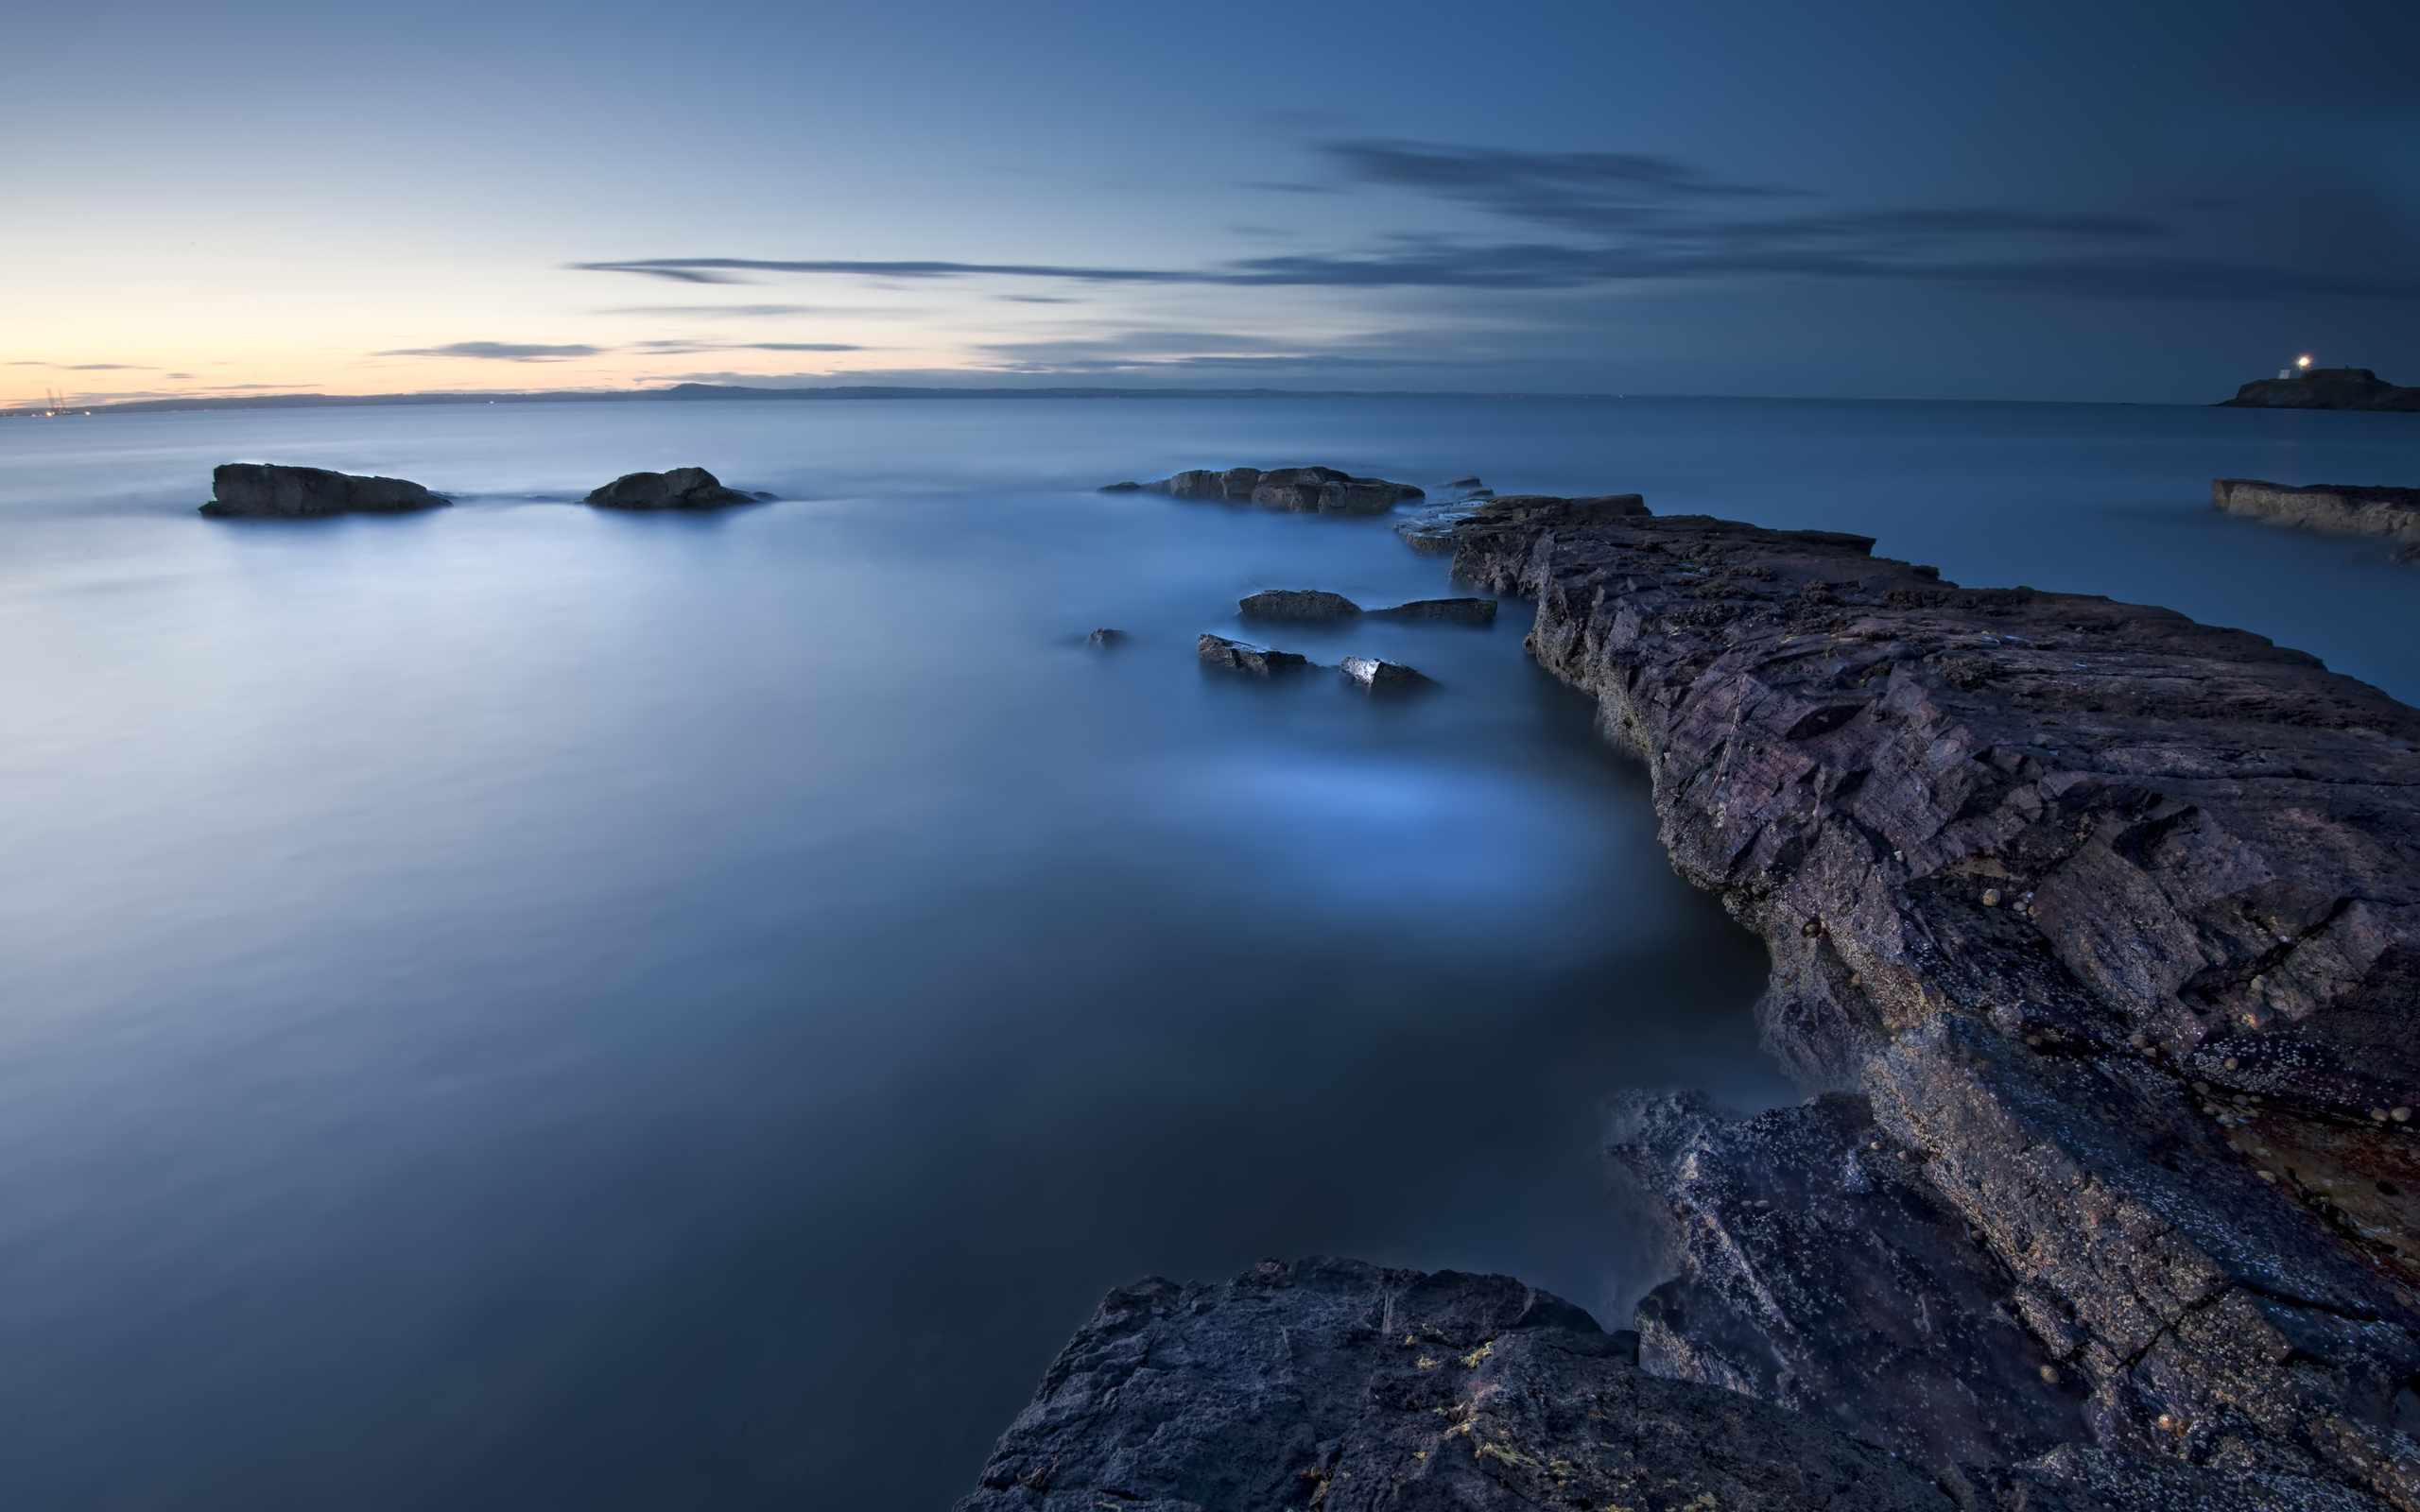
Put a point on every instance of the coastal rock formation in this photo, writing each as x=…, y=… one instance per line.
x=2336, y=508
x=1106, y=639
x=1433, y=531
x=1242, y=656
x=1441, y=611
x=2324, y=389
x=683, y=487
x=1375, y=676
x=2109, y=922
x=1301, y=490
x=268, y=491
x=1297, y=604
x=1337, y=1385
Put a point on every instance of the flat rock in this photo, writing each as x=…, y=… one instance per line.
x=683, y=487
x=1297, y=604
x=1240, y=656
x=268, y=491
x=1338, y=1385
x=1299, y=489
x=1380, y=677
x=1441, y=611
x=2333, y=509
x=2113, y=920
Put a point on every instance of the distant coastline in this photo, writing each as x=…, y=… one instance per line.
x=722, y=391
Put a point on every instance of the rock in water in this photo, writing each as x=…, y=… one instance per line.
x=1238, y=656
x=2324, y=389
x=1381, y=676
x=1107, y=640
x=2334, y=508
x=683, y=487
x=266, y=490
x=1297, y=604
x=1333, y=1384
x=1301, y=490
x=2155, y=1087
x=1441, y=612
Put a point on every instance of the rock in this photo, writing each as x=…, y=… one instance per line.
x=266, y=490
x=1441, y=611
x=1303, y=490
x=2141, y=1088
x=2324, y=389
x=1297, y=604
x=1337, y=1385
x=2334, y=508
x=1464, y=483
x=683, y=487
x=1381, y=676
x=1238, y=656
x=1107, y=640
x=1433, y=531
x=1120, y=488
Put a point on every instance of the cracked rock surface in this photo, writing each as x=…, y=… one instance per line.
x=2106, y=926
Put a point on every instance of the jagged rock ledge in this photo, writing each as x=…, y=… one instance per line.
x=2105, y=925
x=2333, y=509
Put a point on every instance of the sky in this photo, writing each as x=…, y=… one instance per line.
x=2141, y=201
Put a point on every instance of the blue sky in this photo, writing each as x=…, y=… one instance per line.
x=2149, y=202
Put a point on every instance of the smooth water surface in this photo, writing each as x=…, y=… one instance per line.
x=520, y=1006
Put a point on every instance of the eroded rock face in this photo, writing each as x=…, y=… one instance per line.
x=267, y=489
x=683, y=487
x=1301, y=490
x=1332, y=1384
x=2336, y=508
x=1240, y=656
x=2114, y=919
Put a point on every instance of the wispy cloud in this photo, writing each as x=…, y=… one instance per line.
x=1603, y=219
x=87, y=367
x=498, y=352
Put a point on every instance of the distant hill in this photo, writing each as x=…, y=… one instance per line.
x=2324, y=388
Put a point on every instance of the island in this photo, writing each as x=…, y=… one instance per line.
x=2096, y=932
x=2324, y=389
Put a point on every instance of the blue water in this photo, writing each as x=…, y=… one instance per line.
x=524, y=1006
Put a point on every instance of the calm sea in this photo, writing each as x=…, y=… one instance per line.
x=523, y=1006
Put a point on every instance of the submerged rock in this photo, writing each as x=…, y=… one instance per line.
x=1441, y=611
x=2333, y=509
x=1239, y=656
x=268, y=491
x=2112, y=921
x=683, y=487
x=1337, y=1385
x=1297, y=604
x=1106, y=639
x=1301, y=490
x=1381, y=676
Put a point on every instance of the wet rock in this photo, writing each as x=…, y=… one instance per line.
x=2332, y=509
x=1381, y=676
x=1465, y=484
x=1301, y=490
x=2208, y=850
x=1441, y=611
x=1337, y=1385
x=268, y=491
x=1297, y=604
x=683, y=487
x=1239, y=656
x=1107, y=640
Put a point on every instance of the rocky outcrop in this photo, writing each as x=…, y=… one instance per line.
x=1375, y=676
x=1106, y=639
x=1434, y=530
x=1301, y=490
x=268, y=490
x=2107, y=925
x=1242, y=656
x=2334, y=508
x=1297, y=604
x=1337, y=1385
x=2324, y=389
x=1441, y=611
x=683, y=487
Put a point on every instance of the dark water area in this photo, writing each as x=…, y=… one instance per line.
x=521, y=1005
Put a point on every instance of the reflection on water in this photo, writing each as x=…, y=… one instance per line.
x=522, y=1005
